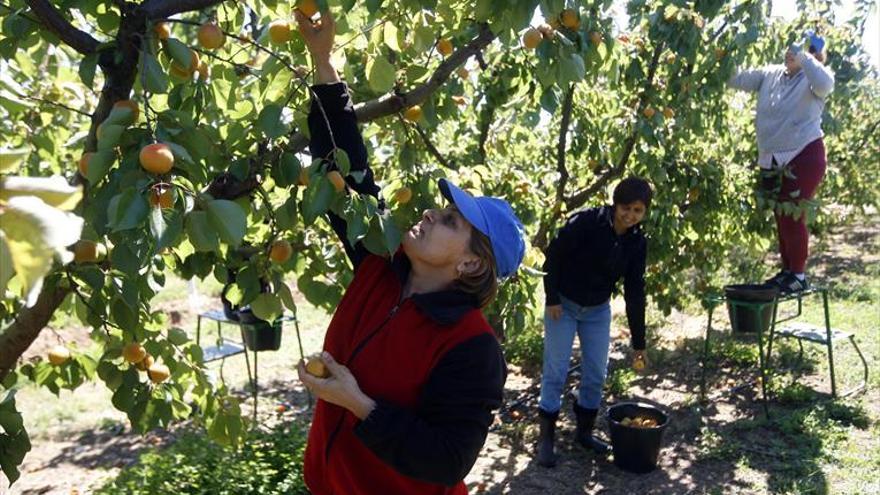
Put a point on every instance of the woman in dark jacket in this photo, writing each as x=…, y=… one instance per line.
x=594, y=249
x=415, y=369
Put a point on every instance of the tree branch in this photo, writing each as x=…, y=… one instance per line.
x=53, y=20
x=156, y=9
x=581, y=197
x=433, y=149
x=27, y=326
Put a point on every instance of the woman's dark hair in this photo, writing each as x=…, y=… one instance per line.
x=482, y=283
x=633, y=189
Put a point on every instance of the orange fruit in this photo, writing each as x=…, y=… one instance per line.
x=158, y=373
x=444, y=46
x=85, y=251
x=413, y=113
x=316, y=367
x=569, y=19
x=203, y=70
x=280, y=251
x=403, y=195
x=134, y=353
x=459, y=100
x=308, y=8
x=596, y=38
x=668, y=113
x=83, y=164
x=163, y=32
x=133, y=105
x=211, y=36
x=145, y=363
x=336, y=179
x=649, y=112
x=462, y=72
x=532, y=38
x=185, y=72
x=156, y=158
x=279, y=32
x=58, y=355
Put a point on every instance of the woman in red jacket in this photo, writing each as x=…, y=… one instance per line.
x=415, y=368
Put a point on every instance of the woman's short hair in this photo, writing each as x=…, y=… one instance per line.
x=482, y=283
x=633, y=189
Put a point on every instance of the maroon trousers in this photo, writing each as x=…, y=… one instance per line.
x=808, y=168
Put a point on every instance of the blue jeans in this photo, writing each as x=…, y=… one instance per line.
x=593, y=327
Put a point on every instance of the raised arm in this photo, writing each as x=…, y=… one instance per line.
x=747, y=80
x=332, y=120
x=820, y=77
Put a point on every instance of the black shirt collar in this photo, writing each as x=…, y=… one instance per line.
x=445, y=307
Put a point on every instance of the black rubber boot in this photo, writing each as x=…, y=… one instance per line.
x=586, y=418
x=546, y=454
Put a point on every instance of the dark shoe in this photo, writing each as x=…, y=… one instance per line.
x=793, y=285
x=546, y=454
x=586, y=418
x=777, y=279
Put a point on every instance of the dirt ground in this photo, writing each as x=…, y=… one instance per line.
x=69, y=462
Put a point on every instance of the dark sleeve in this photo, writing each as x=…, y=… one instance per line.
x=440, y=440
x=558, y=251
x=634, y=294
x=338, y=108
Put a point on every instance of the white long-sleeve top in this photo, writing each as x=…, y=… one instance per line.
x=788, y=116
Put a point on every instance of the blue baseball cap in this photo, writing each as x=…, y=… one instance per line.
x=817, y=43
x=496, y=220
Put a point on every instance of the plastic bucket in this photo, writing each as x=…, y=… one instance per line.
x=636, y=449
x=745, y=319
x=258, y=334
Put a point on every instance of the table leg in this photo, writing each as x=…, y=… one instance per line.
x=705, y=355
x=830, y=342
x=763, y=370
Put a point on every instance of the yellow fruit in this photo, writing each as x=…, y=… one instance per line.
x=211, y=36
x=626, y=421
x=158, y=373
x=185, y=72
x=668, y=113
x=281, y=251
x=134, y=353
x=462, y=73
x=569, y=19
x=85, y=251
x=156, y=158
x=303, y=179
x=639, y=364
x=413, y=113
x=204, y=72
x=58, y=355
x=547, y=31
x=670, y=59
x=145, y=363
x=133, y=105
x=649, y=112
x=83, y=164
x=596, y=38
x=161, y=197
x=162, y=30
x=532, y=38
x=403, y=195
x=444, y=46
x=279, y=32
x=459, y=100
x=336, y=179
x=316, y=367
x=308, y=8
x=280, y=408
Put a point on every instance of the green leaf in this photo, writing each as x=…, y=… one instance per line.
x=10, y=159
x=87, y=69
x=54, y=191
x=267, y=307
x=110, y=135
x=179, y=52
x=177, y=336
x=123, y=315
x=200, y=232
x=99, y=165
x=390, y=36
x=154, y=79
x=166, y=227
x=127, y=210
x=34, y=234
x=228, y=220
x=342, y=161
x=380, y=74
x=318, y=196
x=286, y=297
x=286, y=171
x=269, y=121
x=14, y=443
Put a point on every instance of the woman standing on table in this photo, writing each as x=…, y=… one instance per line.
x=594, y=249
x=788, y=122
x=415, y=369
